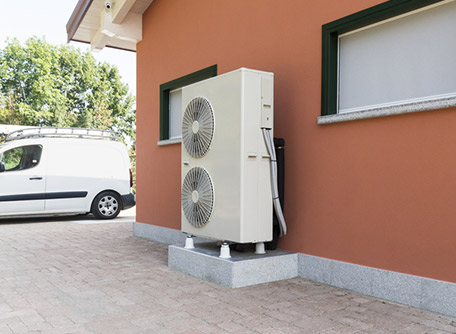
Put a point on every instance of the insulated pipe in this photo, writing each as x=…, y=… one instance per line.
x=279, y=145
x=275, y=192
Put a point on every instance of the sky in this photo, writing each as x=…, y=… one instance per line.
x=48, y=18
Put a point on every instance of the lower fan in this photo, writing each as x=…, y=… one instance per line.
x=197, y=196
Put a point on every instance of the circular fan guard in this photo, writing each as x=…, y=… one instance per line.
x=198, y=126
x=197, y=196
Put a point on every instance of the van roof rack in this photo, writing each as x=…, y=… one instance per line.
x=57, y=132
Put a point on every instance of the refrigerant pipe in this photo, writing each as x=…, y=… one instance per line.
x=275, y=192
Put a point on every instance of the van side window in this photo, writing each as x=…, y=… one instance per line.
x=20, y=158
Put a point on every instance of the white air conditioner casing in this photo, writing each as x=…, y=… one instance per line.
x=236, y=161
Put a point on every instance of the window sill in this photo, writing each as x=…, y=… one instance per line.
x=170, y=141
x=441, y=103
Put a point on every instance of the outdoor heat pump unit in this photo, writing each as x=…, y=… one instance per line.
x=226, y=165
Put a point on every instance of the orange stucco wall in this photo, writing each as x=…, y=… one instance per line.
x=378, y=192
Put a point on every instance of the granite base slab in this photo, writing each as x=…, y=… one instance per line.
x=242, y=269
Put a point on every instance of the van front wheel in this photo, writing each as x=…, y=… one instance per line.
x=106, y=205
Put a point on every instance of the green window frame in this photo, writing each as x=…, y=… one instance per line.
x=330, y=43
x=165, y=89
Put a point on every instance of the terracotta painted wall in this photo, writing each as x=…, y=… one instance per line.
x=378, y=192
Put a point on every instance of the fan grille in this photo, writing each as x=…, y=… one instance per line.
x=198, y=126
x=197, y=196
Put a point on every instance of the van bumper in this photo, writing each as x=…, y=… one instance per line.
x=128, y=201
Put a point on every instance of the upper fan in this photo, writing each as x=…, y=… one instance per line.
x=198, y=127
x=197, y=196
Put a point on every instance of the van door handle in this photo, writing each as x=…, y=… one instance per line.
x=36, y=178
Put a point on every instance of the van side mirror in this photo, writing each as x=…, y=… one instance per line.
x=2, y=167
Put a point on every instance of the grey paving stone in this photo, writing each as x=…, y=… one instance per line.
x=64, y=276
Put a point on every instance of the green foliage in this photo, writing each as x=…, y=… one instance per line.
x=133, y=170
x=12, y=158
x=46, y=85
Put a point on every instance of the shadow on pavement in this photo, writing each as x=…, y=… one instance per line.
x=124, y=216
x=46, y=219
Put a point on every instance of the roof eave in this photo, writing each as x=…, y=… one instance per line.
x=76, y=18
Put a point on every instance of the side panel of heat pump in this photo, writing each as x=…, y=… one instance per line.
x=236, y=161
x=256, y=195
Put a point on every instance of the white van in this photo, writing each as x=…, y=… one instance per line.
x=46, y=171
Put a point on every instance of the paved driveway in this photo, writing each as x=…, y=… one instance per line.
x=77, y=275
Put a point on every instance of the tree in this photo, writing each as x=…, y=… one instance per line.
x=46, y=85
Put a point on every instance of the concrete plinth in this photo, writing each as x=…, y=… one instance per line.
x=242, y=269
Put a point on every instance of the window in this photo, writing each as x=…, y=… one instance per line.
x=171, y=102
x=392, y=58
x=175, y=113
x=21, y=158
